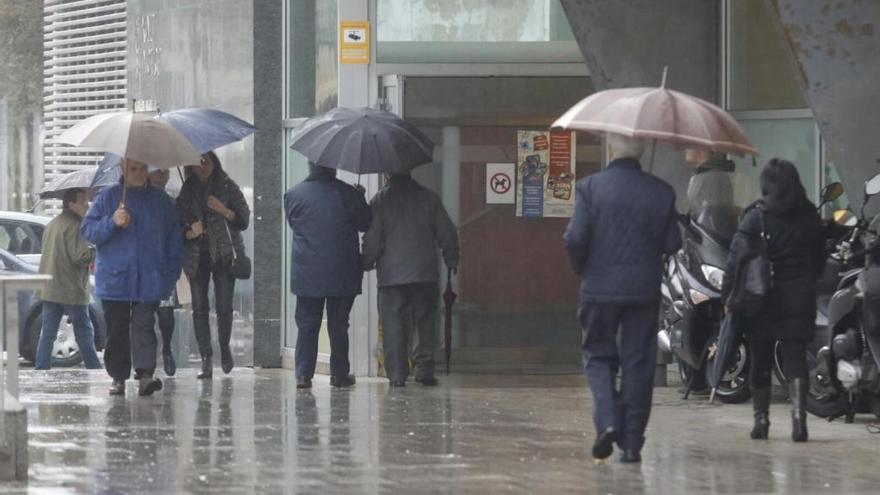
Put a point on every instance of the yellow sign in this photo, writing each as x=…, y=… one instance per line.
x=354, y=42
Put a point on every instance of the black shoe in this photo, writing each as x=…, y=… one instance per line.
x=207, y=369
x=430, y=381
x=342, y=381
x=149, y=385
x=226, y=360
x=117, y=387
x=630, y=456
x=397, y=383
x=761, y=406
x=303, y=383
x=797, y=390
x=603, y=447
x=169, y=364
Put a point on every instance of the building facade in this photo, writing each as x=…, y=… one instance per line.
x=85, y=49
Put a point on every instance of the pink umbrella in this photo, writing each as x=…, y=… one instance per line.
x=658, y=114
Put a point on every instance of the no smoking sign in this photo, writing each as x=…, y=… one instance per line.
x=500, y=183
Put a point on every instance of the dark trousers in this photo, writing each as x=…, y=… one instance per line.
x=165, y=315
x=626, y=409
x=794, y=360
x=409, y=321
x=131, y=338
x=224, y=289
x=309, y=315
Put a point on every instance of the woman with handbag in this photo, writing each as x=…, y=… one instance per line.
x=214, y=212
x=784, y=227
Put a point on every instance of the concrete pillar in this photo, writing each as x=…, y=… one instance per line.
x=835, y=48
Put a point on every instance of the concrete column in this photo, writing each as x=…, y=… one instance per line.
x=835, y=48
x=268, y=178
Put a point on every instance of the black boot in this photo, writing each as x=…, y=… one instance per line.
x=761, y=405
x=797, y=390
x=168, y=362
x=226, y=359
x=207, y=369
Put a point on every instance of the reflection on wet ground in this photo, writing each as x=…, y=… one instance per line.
x=253, y=432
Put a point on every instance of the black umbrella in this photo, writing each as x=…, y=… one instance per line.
x=725, y=352
x=362, y=141
x=81, y=179
x=448, y=299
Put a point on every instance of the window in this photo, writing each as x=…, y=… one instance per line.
x=21, y=238
x=501, y=31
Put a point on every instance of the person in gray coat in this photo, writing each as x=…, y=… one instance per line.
x=326, y=215
x=409, y=222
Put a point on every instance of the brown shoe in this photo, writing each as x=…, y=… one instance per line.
x=303, y=383
x=117, y=387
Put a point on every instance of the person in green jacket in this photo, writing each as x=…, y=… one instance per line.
x=66, y=256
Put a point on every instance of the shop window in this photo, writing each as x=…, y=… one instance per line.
x=761, y=76
x=501, y=31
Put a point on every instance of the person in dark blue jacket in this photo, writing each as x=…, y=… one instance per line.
x=624, y=222
x=326, y=215
x=139, y=256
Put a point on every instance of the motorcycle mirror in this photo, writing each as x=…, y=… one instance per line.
x=831, y=192
x=872, y=186
x=845, y=218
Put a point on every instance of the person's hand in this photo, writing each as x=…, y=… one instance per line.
x=121, y=218
x=216, y=205
x=197, y=229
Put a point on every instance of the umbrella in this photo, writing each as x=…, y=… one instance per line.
x=206, y=128
x=725, y=351
x=658, y=114
x=81, y=179
x=362, y=141
x=448, y=299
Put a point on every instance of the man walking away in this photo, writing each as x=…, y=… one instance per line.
x=326, y=215
x=409, y=222
x=623, y=224
x=66, y=256
x=139, y=257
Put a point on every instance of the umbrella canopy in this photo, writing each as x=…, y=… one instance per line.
x=362, y=141
x=81, y=179
x=135, y=135
x=658, y=114
x=206, y=128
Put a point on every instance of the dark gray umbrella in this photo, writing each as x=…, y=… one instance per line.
x=362, y=141
x=728, y=341
x=81, y=179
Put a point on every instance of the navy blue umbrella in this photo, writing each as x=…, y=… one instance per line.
x=725, y=351
x=206, y=128
x=362, y=141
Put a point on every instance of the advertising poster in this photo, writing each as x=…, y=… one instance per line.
x=545, y=173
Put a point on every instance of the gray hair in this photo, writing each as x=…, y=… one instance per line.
x=620, y=146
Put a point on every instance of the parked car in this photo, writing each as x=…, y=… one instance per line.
x=21, y=242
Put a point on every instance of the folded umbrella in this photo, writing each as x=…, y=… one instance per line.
x=724, y=353
x=449, y=297
x=362, y=141
x=658, y=114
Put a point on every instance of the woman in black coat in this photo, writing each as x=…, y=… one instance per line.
x=796, y=249
x=214, y=213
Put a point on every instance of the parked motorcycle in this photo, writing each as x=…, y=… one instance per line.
x=691, y=310
x=845, y=374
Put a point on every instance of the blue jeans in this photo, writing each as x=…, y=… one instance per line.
x=82, y=330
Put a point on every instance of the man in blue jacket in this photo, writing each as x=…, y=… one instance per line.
x=326, y=215
x=624, y=222
x=139, y=256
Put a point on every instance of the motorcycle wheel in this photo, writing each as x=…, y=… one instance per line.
x=734, y=386
x=824, y=397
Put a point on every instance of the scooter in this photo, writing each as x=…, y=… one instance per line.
x=691, y=310
x=845, y=375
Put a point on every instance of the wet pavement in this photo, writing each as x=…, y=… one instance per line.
x=253, y=432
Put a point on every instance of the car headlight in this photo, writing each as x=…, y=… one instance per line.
x=713, y=275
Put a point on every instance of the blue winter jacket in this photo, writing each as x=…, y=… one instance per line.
x=624, y=222
x=326, y=215
x=141, y=263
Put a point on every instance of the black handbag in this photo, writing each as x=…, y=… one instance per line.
x=754, y=277
x=240, y=267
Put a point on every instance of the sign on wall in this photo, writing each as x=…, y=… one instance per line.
x=354, y=42
x=500, y=183
x=545, y=174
